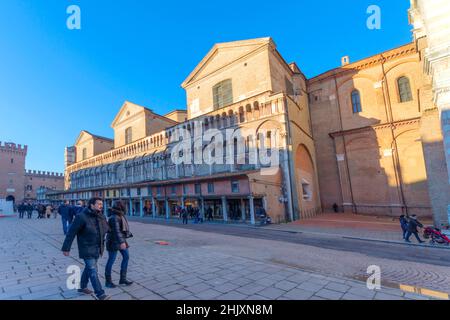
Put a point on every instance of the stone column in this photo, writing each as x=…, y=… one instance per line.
x=252, y=210
x=141, y=207
x=243, y=217
x=167, y=209
x=224, y=209
x=130, y=211
x=151, y=170
x=153, y=208
x=202, y=208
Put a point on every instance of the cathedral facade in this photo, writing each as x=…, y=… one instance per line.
x=259, y=138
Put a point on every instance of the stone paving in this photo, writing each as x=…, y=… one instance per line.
x=192, y=267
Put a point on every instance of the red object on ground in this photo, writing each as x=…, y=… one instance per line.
x=436, y=235
x=162, y=243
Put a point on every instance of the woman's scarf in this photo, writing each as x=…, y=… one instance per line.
x=125, y=226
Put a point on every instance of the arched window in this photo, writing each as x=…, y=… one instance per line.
x=404, y=89
x=223, y=94
x=356, y=101
x=128, y=135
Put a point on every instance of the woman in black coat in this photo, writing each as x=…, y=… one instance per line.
x=116, y=242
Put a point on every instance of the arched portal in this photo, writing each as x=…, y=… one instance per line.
x=306, y=182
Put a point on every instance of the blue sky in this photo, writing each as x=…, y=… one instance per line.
x=55, y=82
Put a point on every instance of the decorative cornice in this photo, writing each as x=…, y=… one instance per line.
x=368, y=62
x=377, y=127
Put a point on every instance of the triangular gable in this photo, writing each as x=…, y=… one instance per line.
x=223, y=54
x=84, y=135
x=128, y=110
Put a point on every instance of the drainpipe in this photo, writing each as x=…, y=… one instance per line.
x=395, y=158
x=287, y=163
x=354, y=208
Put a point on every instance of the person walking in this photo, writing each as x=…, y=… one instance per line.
x=29, y=209
x=41, y=211
x=78, y=208
x=184, y=215
x=21, y=209
x=66, y=216
x=116, y=241
x=48, y=211
x=412, y=229
x=90, y=228
x=209, y=213
x=404, y=225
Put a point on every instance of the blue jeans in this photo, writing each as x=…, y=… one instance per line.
x=405, y=232
x=112, y=255
x=90, y=273
x=409, y=233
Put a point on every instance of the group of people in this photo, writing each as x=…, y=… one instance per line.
x=43, y=210
x=409, y=227
x=189, y=212
x=95, y=233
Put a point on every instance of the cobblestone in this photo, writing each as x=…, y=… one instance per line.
x=215, y=267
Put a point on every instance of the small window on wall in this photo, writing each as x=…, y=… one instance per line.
x=404, y=89
x=84, y=155
x=198, y=188
x=235, y=186
x=356, y=101
x=211, y=187
x=223, y=94
x=306, y=187
x=128, y=135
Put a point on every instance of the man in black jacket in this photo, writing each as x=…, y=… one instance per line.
x=412, y=229
x=90, y=227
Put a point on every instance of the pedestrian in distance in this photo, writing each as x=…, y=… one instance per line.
x=29, y=209
x=90, y=228
x=209, y=214
x=41, y=211
x=184, y=215
x=335, y=208
x=21, y=208
x=404, y=225
x=66, y=213
x=48, y=211
x=78, y=208
x=412, y=229
x=116, y=241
